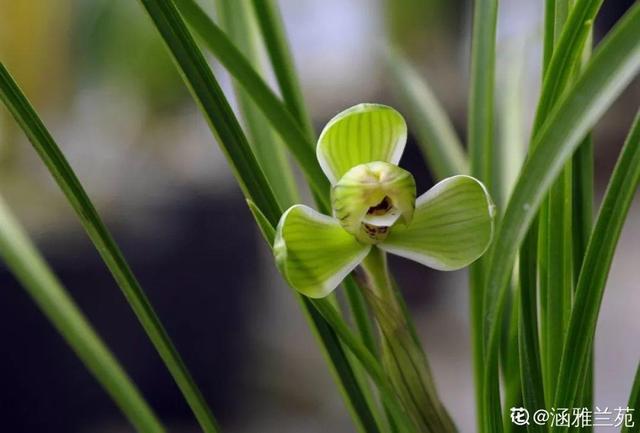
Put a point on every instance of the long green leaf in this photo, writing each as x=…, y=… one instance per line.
x=239, y=23
x=528, y=342
x=567, y=29
x=567, y=51
x=481, y=97
x=634, y=404
x=510, y=360
x=511, y=141
x=480, y=142
x=24, y=261
x=437, y=138
x=582, y=214
x=595, y=269
x=225, y=126
x=549, y=30
x=613, y=66
x=360, y=313
x=208, y=95
x=565, y=35
x=295, y=138
x=558, y=214
x=341, y=366
x=560, y=55
x=509, y=154
x=274, y=36
x=556, y=226
x=68, y=182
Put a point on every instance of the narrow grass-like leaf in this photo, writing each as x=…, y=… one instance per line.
x=436, y=136
x=340, y=365
x=582, y=214
x=582, y=201
x=481, y=99
x=558, y=290
x=274, y=36
x=296, y=139
x=570, y=31
x=566, y=53
x=480, y=142
x=634, y=404
x=559, y=276
x=614, y=64
x=555, y=227
x=360, y=313
x=508, y=156
x=28, y=266
x=211, y=100
x=595, y=269
x=239, y=23
x=214, y=106
x=68, y=182
x=528, y=342
x=509, y=358
x=510, y=144
x=266, y=229
x=549, y=31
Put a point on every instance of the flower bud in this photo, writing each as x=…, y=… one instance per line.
x=370, y=198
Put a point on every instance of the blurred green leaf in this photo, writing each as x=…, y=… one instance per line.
x=595, y=269
x=480, y=140
x=436, y=136
x=70, y=185
x=634, y=404
x=297, y=141
x=613, y=65
x=239, y=23
x=274, y=36
x=24, y=261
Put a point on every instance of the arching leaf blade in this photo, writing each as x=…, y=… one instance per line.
x=24, y=261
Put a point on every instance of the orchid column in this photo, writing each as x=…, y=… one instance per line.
x=375, y=211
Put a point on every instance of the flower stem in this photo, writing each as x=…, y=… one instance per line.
x=402, y=357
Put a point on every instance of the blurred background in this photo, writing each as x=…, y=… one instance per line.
x=106, y=88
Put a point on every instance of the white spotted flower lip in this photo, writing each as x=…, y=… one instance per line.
x=374, y=205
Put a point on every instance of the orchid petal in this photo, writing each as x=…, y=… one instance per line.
x=314, y=253
x=363, y=133
x=452, y=226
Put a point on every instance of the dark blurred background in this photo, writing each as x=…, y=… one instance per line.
x=98, y=74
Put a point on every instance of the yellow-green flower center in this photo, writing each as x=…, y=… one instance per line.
x=370, y=198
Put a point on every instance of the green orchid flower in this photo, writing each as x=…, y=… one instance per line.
x=374, y=206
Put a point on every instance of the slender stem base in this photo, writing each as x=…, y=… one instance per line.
x=402, y=357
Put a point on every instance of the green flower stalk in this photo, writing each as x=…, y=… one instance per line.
x=375, y=211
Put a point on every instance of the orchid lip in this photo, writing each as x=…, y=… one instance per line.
x=371, y=198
